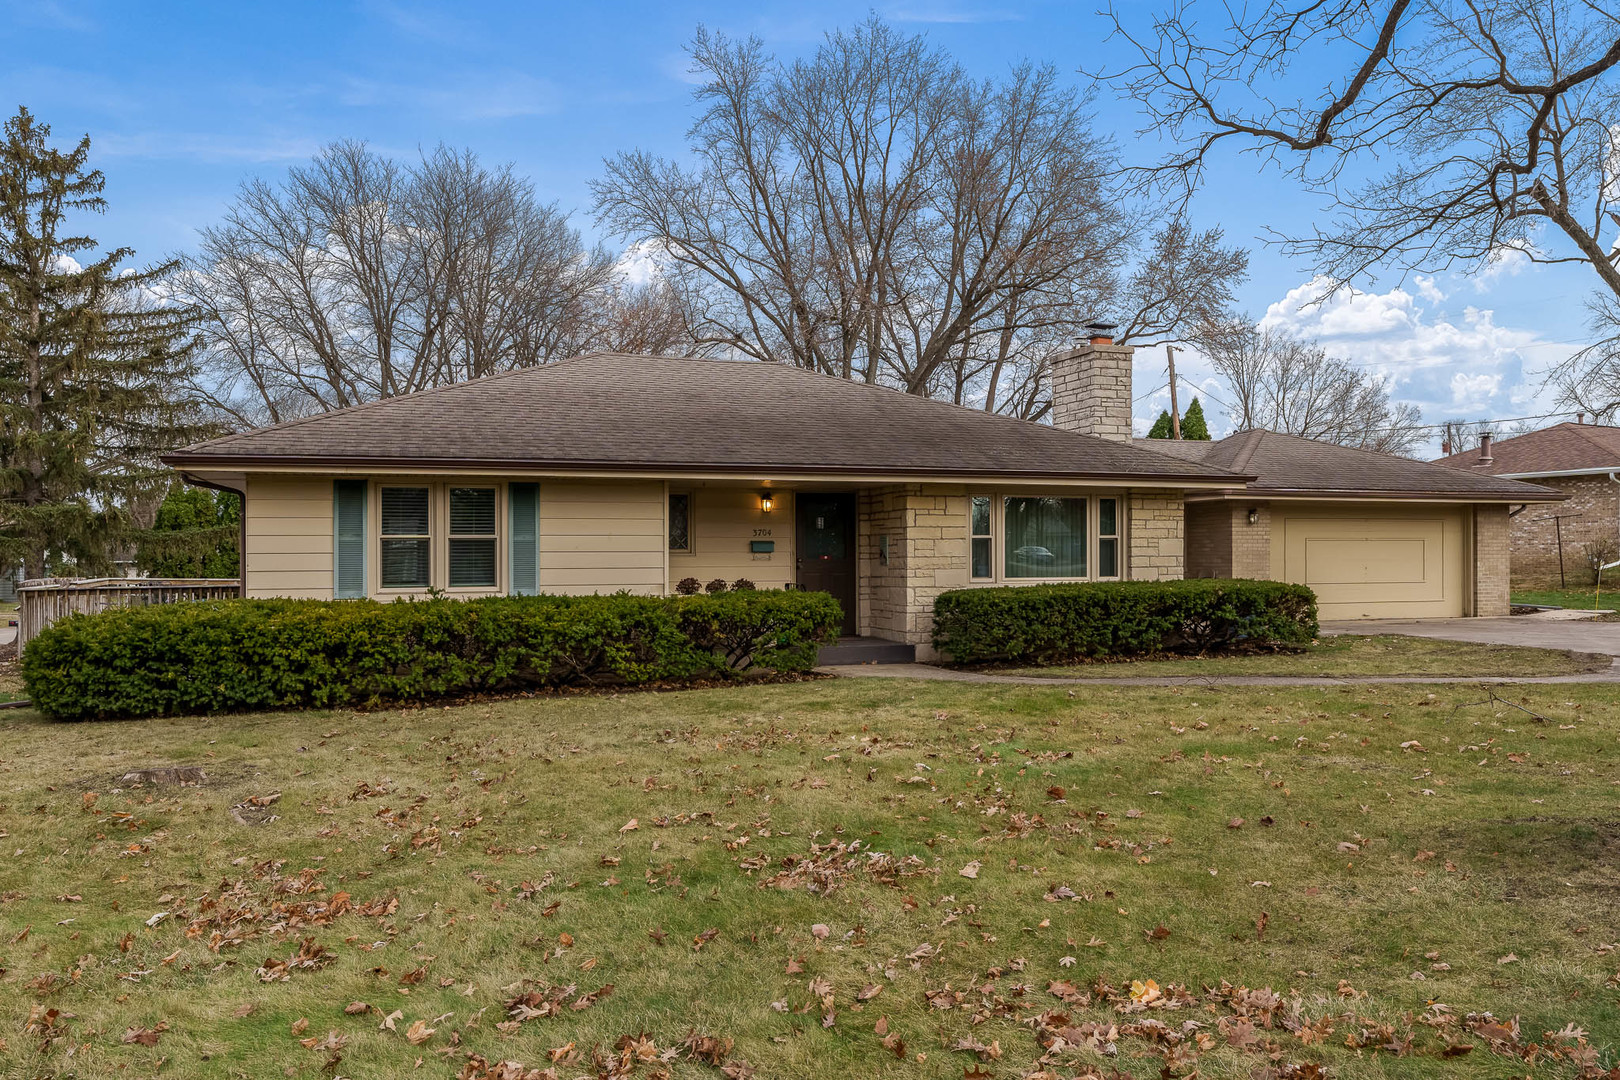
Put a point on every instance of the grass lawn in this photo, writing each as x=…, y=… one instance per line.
x=1587, y=597
x=383, y=894
x=1347, y=655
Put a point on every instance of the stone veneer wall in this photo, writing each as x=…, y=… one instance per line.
x=1155, y=536
x=1492, y=560
x=1091, y=391
x=927, y=529
x=1594, y=502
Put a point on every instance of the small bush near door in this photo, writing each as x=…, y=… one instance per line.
x=236, y=655
x=1052, y=624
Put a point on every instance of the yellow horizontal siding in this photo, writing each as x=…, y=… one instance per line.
x=289, y=537
x=602, y=537
x=723, y=525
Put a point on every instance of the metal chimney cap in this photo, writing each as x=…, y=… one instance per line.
x=1102, y=327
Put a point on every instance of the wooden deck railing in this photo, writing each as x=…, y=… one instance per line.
x=41, y=601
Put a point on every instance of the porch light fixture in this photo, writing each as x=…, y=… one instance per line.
x=767, y=502
x=1254, y=515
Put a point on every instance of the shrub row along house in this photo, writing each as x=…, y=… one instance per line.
x=612, y=472
x=1560, y=544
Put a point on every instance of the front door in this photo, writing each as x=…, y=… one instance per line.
x=826, y=547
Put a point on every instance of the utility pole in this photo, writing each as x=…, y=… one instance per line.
x=1175, y=413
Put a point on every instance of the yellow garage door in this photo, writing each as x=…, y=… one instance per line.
x=1400, y=565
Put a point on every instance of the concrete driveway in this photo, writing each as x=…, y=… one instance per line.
x=1580, y=635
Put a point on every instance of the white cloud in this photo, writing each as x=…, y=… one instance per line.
x=1473, y=393
x=1429, y=290
x=641, y=262
x=1344, y=313
x=1508, y=260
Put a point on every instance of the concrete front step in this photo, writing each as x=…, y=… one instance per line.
x=865, y=650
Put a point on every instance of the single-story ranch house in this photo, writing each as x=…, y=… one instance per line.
x=1557, y=543
x=612, y=472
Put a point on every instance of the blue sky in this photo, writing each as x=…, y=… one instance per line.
x=183, y=101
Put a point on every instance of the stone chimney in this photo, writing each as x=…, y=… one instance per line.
x=1091, y=386
x=1485, y=449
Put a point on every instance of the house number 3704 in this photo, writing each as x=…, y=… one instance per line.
x=762, y=532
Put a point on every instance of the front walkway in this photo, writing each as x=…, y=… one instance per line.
x=941, y=674
x=1581, y=635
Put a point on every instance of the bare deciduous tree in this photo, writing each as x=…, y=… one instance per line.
x=1282, y=383
x=1502, y=116
x=873, y=213
x=359, y=278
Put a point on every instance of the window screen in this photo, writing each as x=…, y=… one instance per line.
x=680, y=521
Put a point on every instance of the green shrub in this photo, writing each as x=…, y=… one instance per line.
x=1052, y=624
x=235, y=655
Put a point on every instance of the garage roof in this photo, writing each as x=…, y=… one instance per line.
x=1294, y=466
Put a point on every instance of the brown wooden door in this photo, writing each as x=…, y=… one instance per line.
x=826, y=547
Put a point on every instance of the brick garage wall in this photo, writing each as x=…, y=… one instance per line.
x=1209, y=540
x=1155, y=535
x=1222, y=544
x=1594, y=503
x=927, y=527
x=1491, y=560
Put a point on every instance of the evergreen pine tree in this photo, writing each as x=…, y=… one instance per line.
x=1161, y=426
x=195, y=535
x=1193, y=424
x=91, y=362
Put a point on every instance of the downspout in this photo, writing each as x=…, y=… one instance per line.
x=241, y=526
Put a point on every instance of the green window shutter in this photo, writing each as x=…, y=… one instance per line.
x=348, y=539
x=524, y=500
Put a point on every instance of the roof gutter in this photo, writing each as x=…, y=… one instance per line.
x=752, y=471
x=1602, y=470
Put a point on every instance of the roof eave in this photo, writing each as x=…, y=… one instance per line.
x=189, y=461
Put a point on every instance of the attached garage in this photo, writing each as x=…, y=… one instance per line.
x=1363, y=564
x=1375, y=536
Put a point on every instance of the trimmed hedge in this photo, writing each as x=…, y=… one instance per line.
x=1054, y=624
x=236, y=655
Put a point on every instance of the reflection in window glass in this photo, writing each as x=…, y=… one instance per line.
x=1044, y=537
x=983, y=561
x=680, y=521
x=1108, y=538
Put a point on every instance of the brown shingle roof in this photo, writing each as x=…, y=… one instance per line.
x=1290, y=465
x=1562, y=448
x=609, y=411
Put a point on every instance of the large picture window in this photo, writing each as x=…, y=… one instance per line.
x=472, y=537
x=406, y=538
x=1044, y=537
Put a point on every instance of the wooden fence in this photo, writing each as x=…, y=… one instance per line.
x=42, y=601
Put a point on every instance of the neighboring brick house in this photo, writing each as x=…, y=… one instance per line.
x=1557, y=543
x=611, y=473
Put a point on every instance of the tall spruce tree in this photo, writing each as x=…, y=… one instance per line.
x=1193, y=424
x=91, y=362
